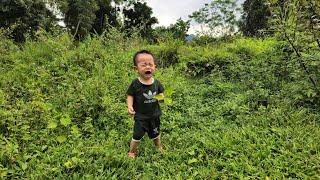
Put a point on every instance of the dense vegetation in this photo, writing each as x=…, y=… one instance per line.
x=236, y=107
x=244, y=108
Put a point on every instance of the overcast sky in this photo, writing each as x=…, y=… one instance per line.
x=169, y=11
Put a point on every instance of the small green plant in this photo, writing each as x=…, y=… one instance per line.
x=66, y=126
x=166, y=97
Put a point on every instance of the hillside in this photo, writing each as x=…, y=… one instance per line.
x=242, y=109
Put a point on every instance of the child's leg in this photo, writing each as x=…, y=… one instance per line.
x=157, y=143
x=138, y=133
x=133, y=146
x=155, y=132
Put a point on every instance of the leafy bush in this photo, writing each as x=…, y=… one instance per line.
x=166, y=53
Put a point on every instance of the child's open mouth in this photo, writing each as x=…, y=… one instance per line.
x=148, y=72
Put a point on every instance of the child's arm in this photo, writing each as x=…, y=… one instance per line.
x=160, y=95
x=130, y=105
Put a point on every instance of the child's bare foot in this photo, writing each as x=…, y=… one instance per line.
x=132, y=155
x=161, y=149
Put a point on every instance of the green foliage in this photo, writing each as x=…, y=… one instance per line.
x=254, y=20
x=219, y=16
x=166, y=96
x=180, y=29
x=138, y=15
x=177, y=31
x=63, y=113
x=166, y=53
x=80, y=16
x=85, y=17
x=297, y=22
x=22, y=18
x=105, y=15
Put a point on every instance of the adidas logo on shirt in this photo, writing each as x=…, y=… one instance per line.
x=150, y=97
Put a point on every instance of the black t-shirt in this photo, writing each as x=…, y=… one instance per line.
x=144, y=103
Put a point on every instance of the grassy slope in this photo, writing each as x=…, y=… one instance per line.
x=215, y=128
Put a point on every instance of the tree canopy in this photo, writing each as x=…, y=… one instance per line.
x=81, y=17
x=254, y=20
x=24, y=17
x=138, y=15
x=220, y=16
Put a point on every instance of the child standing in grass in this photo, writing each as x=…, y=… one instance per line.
x=141, y=101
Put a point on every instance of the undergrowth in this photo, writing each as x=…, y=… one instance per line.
x=240, y=110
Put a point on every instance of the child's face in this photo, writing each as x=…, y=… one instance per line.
x=145, y=66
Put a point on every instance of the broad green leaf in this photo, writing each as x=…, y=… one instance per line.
x=160, y=97
x=26, y=137
x=68, y=164
x=54, y=169
x=24, y=166
x=193, y=160
x=44, y=148
x=2, y=99
x=169, y=91
x=311, y=93
x=25, y=127
x=3, y=173
x=65, y=121
x=61, y=138
x=168, y=101
x=74, y=130
x=52, y=125
x=191, y=153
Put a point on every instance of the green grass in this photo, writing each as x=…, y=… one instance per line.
x=215, y=128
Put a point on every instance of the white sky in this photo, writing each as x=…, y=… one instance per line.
x=169, y=11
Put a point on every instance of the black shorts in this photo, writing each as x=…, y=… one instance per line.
x=150, y=126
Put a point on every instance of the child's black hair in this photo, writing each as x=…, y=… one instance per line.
x=142, y=52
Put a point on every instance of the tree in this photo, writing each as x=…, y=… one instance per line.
x=177, y=31
x=105, y=15
x=80, y=16
x=219, y=16
x=180, y=28
x=298, y=23
x=255, y=17
x=24, y=18
x=83, y=17
x=138, y=15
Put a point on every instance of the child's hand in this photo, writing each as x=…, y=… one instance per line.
x=131, y=111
